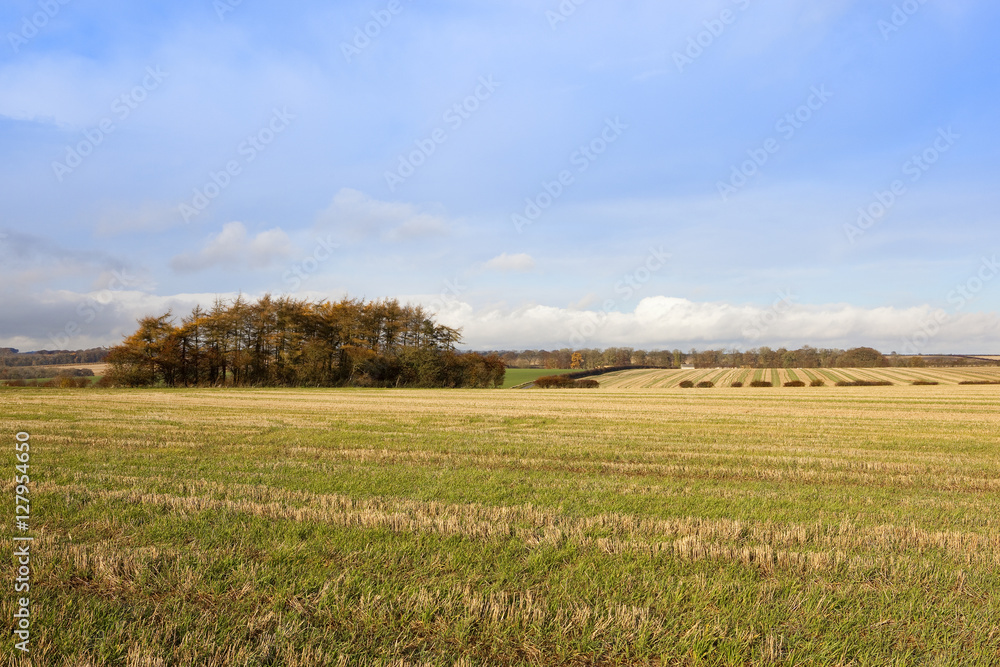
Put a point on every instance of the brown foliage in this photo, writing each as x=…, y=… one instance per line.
x=287, y=342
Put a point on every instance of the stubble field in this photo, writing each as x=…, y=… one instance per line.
x=808, y=526
x=724, y=377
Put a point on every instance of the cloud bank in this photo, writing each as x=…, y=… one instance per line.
x=69, y=320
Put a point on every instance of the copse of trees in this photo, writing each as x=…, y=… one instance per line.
x=288, y=342
x=862, y=357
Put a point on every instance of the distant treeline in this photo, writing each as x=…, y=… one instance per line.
x=35, y=372
x=589, y=359
x=288, y=342
x=762, y=357
x=10, y=356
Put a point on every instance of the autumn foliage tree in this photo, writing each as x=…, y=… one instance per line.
x=289, y=342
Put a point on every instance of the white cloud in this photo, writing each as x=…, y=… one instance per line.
x=668, y=322
x=63, y=319
x=504, y=262
x=234, y=247
x=356, y=214
x=70, y=320
x=29, y=262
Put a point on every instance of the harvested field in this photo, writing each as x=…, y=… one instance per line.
x=667, y=378
x=799, y=526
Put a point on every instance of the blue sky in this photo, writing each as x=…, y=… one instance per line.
x=540, y=173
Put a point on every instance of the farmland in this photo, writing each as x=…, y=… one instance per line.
x=809, y=526
x=516, y=376
x=669, y=378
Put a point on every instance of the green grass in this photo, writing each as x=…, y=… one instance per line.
x=516, y=376
x=298, y=527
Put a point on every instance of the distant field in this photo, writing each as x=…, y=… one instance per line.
x=842, y=526
x=669, y=378
x=516, y=376
x=98, y=368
